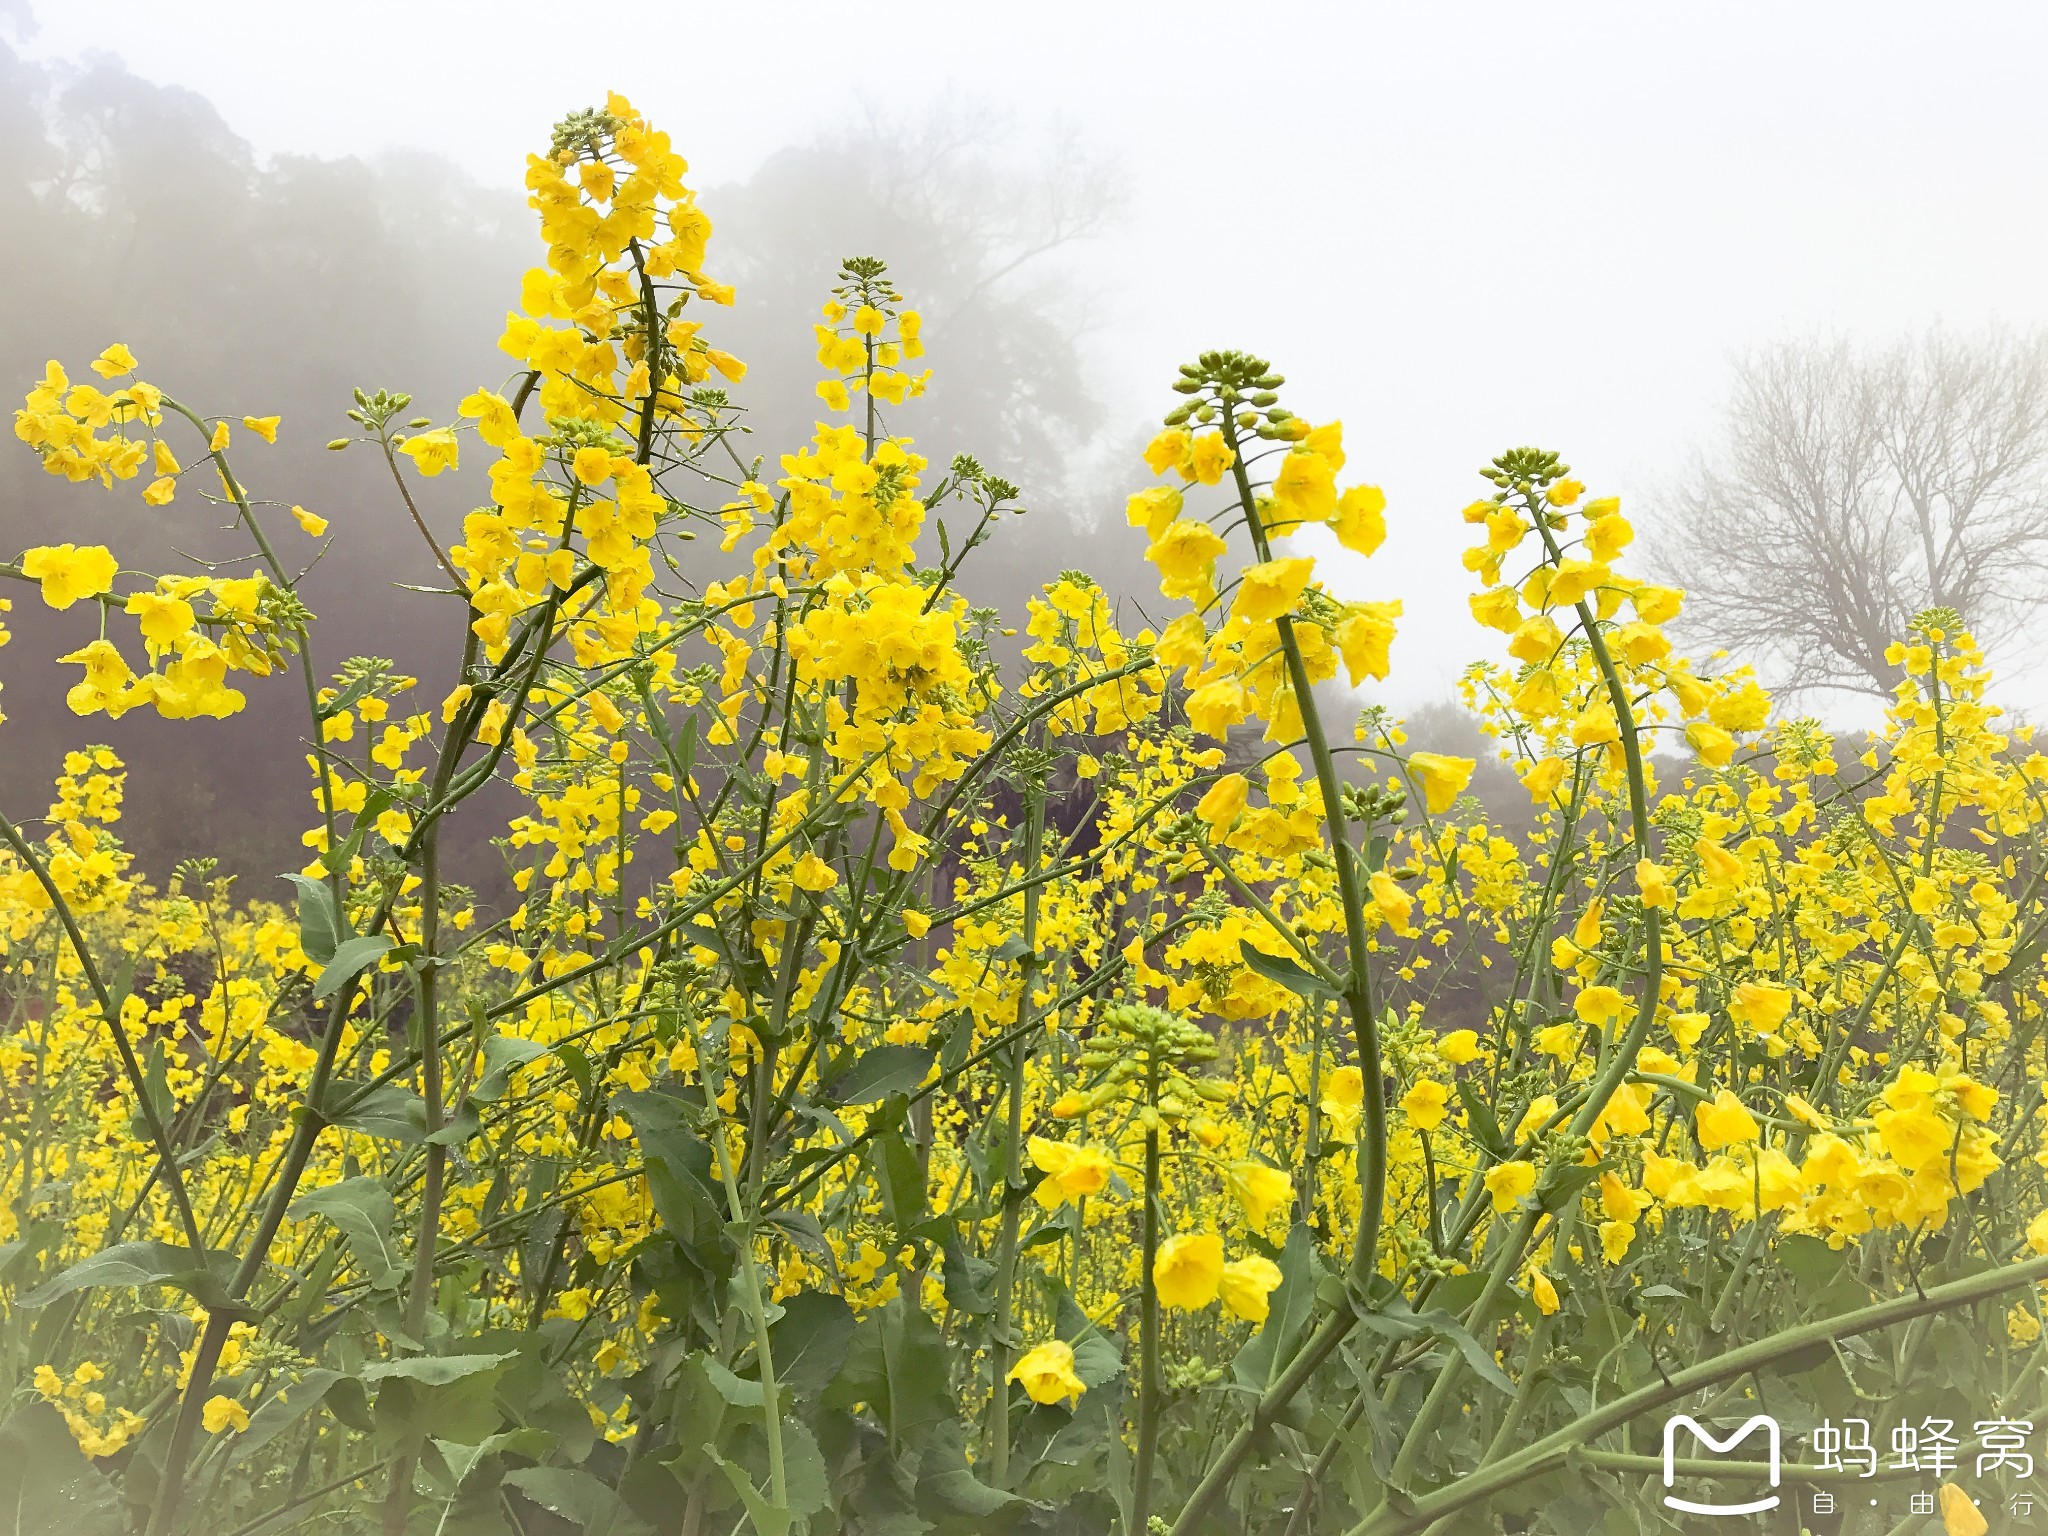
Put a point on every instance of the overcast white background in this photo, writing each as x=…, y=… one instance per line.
x=1457, y=227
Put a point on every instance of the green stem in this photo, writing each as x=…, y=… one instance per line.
x=131, y=1068
x=1148, y=1348
x=1554, y=1448
x=1003, y=1341
x=1358, y=1001
x=757, y=1312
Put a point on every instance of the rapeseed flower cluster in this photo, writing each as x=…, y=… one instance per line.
x=901, y=1091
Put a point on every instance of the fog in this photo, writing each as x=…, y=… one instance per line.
x=1458, y=229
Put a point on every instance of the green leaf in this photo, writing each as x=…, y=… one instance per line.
x=156, y=1092
x=46, y=1484
x=769, y=1519
x=578, y=1497
x=466, y=1125
x=347, y=697
x=1097, y=1360
x=458, y=1461
x=433, y=1370
x=802, y=1229
x=363, y=1211
x=803, y=1469
x=810, y=1340
x=321, y=925
x=1395, y=1320
x=916, y=1369
x=949, y=1486
x=1480, y=1119
x=884, y=1070
x=1260, y=1362
x=35, y=1237
x=576, y=1062
x=351, y=957
x=503, y=1055
x=901, y=1177
x=1807, y=1259
x=284, y=1408
x=1566, y=1181
x=736, y=1390
x=450, y=1396
x=390, y=1112
x=967, y=1278
x=202, y=1275
x=678, y=1164
x=1297, y=979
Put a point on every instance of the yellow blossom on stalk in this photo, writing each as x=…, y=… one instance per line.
x=114, y=361
x=70, y=573
x=1247, y=1285
x=1911, y=1124
x=1724, y=1121
x=1653, y=882
x=1443, y=778
x=1259, y=1190
x=1188, y=1270
x=1360, y=521
x=1186, y=553
x=1208, y=457
x=1168, y=450
x=814, y=874
x=1600, y=1005
x=1047, y=1372
x=1393, y=905
x=1459, y=1046
x=1072, y=1173
x=222, y=1413
x=1224, y=801
x=108, y=685
x=432, y=452
x=1153, y=509
x=1509, y=1183
x=1760, y=1005
x=1424, y=1104
x=1365, y=637
x=1304, y=489
x=1269, y=590
x=1343, y=1101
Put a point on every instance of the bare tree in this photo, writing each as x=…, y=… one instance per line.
x=1855, y=487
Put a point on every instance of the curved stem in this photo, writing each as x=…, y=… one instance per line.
x=1148, y=1347
x=1419, y=1514
x=131, y=1068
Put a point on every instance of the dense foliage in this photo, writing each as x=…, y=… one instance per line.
x=905, y=1098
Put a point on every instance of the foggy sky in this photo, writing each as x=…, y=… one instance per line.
x=1458, y=228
